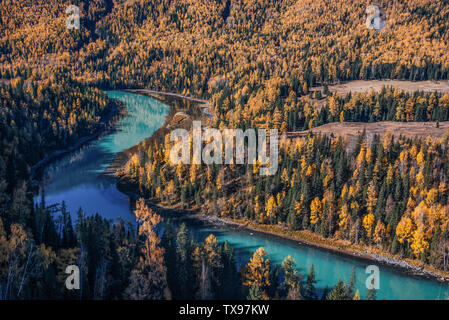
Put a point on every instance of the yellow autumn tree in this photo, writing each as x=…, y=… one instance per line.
x=368, y=222
x=298, y=207
x=148, y=280
x=257, y=272
x=419, y=241
x=270, y=208
x=371, y=200
x=420, y=158
x=344, y=220
x=333, y=105
x=361, y=156
x=404, y=229
x=20, y=259
x=379, y=232
x=315, y=210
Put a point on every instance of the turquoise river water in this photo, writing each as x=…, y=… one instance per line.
x=76, y=178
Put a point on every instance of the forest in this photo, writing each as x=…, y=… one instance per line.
x=256, y=61
x=390, y=193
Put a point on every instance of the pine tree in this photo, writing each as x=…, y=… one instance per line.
x=185, y=278
x=169, y=245
x=309, y=288
x=255, y=293
x=338, y=292
x=291, y=279
x=371, y=294
x=351, y=285
x=206, y=262
x=229, y=280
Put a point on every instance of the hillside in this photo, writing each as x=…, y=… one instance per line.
x=251, y=57
x=373, y=178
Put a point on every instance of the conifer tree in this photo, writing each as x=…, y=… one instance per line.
x=309, y=288
x=338, y=291
x=291, y=279
x=371, y=294
x=185, y=277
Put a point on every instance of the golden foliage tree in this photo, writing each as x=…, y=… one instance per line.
x=257, y=272
x=148, y=280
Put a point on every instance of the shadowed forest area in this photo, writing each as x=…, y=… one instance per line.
x=261, y=64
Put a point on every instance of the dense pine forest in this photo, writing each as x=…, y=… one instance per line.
x=257, y=61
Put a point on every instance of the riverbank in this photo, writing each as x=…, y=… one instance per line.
x=205, y=105
x=106, y=124
x=344, y=248
x=170, y=94
x=341, y=247
x=183, y=111
x=410, y=267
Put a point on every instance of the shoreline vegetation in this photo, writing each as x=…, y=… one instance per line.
x=410, y=267
x=333, y=245
x=179, y=116
x=343, y=247
x=106, y=125
x=283, y=65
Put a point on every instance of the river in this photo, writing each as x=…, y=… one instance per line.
x=76, y=178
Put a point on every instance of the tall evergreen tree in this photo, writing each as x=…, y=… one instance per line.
x=309, y=288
